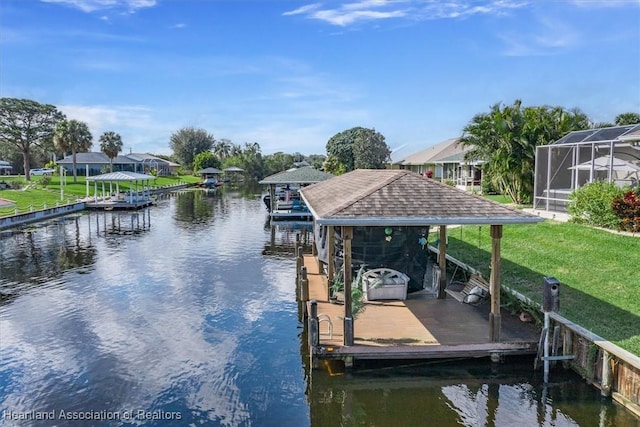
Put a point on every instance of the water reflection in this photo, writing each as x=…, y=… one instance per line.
x=458, y=393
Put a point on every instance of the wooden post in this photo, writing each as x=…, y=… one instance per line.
x=272, y=197
x=299, y=262
x=442, y=262
x=567, y=346
x=347, y=235
x=607, y=374
x=314, y=327
x=331, y=252
x=304, y=285
x=315, y=248
x=495, y=321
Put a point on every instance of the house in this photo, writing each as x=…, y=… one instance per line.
x=95, y=163
x=580, y=157
x=5, y=168
x=445, y=161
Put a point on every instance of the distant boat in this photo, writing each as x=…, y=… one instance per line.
x=210, y=183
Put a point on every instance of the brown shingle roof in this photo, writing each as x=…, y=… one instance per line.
x=434, y=153
x=303, y=175
x=400, y=197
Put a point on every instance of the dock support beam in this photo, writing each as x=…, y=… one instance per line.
x=331, y=252
x=495, y=320
x=347, y=235
x=442, y=262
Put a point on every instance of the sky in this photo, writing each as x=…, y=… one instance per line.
x=290, y=74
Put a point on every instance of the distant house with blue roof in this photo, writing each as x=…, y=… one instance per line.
x=96, y=163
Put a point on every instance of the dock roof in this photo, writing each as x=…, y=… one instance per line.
x=368, y=197
x=303, y=175
x=121, y=176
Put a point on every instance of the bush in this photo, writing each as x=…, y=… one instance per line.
x=450, y=182
x=17, y=184
x=627, y=209
x=592, y=204
x=488, y=187
x=45, y=181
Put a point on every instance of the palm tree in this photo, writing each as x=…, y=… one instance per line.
x=111, y=145
x=222, y=149
x=506, y=139
x=74, y=136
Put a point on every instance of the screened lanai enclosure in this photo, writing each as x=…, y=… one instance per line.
x=402, y=248
x=607, y=154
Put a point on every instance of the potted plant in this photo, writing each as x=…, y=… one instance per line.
x=336, y=289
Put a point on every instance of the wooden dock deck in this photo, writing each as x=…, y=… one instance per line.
x=420, y=327
x=109, y=205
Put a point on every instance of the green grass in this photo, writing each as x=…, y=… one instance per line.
x=37, y=196
x=499, y=198
x=599, y=271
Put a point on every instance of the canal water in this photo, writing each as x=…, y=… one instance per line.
x=185, y=314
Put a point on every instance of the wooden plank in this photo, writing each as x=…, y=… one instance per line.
x=427, y=352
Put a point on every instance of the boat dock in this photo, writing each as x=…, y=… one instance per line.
x=420, y=327
x=110, y=205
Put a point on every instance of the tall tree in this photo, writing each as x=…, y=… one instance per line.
x=222, y=148
x=506, y=137
x=204, y=160
x=26, y=124
x=111, y=145
x=627, y=119
x=357, y=147
x=252, y=161
x=369, y=150
x=277, y=162
x=188, y=142
x=74, y=136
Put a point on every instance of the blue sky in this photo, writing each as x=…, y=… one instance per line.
x=290, y=74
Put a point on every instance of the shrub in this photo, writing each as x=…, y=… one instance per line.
x=627, y=209
x=450, y=182
x=592, y=204
x=488, y=187
x=17, y=184
x=45, y=181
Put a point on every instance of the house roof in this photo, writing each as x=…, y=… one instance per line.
x=303, y=175
x=121, y=176
x=600, y=135
x=84, y=158
x=367, y=197
x=100, y=158
x=434, y=153
x=233, y=169
x=208, y=171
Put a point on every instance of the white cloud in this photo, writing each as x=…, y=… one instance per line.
x=140, y=127
x=373, y=10
x=89, y=6
x=550, y=37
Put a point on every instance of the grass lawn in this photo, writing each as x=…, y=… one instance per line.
x=599, y=271
x=37, y=195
